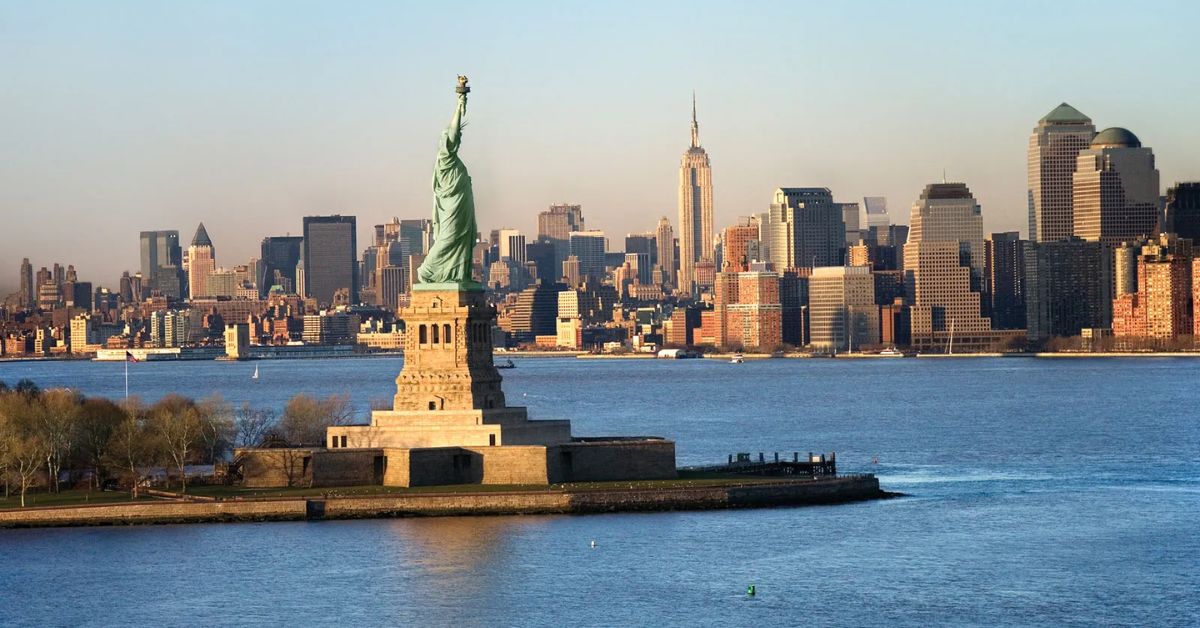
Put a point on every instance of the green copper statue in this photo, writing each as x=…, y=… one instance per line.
x=447, y=266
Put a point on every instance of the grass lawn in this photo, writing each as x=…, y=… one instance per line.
x=686, y=480
x=65, y=498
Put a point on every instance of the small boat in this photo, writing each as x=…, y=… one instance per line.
x=891, y=352
x=508, y=364
x=737, y=359
x=255, y=375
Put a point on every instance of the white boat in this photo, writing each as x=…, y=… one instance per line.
x=255, y=375
x=891, y=352
x=737, y=359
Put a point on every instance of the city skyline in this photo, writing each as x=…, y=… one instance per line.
x=104, y=137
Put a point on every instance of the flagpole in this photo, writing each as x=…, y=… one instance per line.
x=127, y=379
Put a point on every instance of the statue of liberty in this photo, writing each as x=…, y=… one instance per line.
x=454, y=229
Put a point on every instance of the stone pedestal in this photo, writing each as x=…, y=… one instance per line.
x=448, y=393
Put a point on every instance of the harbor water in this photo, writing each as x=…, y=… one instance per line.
x=1039, y=492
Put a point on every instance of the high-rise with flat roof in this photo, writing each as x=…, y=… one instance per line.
x=556, y=224
x=664, y=237
x=588, y=248
x=330, y=257
x=1182, y=212
x=841, y=301
x=695, y=208
x=877, y=211
x=162, y=262
x=1053, y=149
x=280, y=256
x=807, y=228
x=1068, y=287
x=1004, y=280
x=28, y=292
x=1115, y=189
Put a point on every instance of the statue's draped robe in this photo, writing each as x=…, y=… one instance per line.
x=454, y=230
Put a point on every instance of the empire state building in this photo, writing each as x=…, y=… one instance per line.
x=695, y=209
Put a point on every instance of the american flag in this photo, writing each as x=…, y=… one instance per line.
x=129, y=357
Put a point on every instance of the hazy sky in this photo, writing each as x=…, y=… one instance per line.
x=117, y=117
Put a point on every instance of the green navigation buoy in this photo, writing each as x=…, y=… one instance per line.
x=750, y=590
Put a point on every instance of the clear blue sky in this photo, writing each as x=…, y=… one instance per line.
x=117, y=117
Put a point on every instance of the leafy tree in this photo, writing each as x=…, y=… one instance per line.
x=99, y=418
x=21, y=444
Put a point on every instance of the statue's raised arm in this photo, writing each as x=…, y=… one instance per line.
x=454, y=231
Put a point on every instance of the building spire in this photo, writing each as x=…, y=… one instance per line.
x=695, y=125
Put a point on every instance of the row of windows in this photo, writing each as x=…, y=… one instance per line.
x=435, y=334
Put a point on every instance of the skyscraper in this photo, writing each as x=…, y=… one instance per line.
x=1183, y=210
x=877, y=212
x=738, y=241
x=202, y=260
x=1115, y=189
x=277, y=266
x=695, y=208
x=842, y=302
x=556, y=224
x=330, y=257
x=947, y=212
x=850, y=220
x=664, y=237
x=588, y=248
x=1004, y=280
x=643, y=243
x=512, y=245
x=1067, y=288
x=162, y=262
x=1053, y=149
x=807, y=229
x=945, y=243
x=28, y=290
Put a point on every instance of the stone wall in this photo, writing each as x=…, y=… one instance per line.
x=524, y=464
x=155, y=512
x=348, y=467
x=272, y=468
x=611, y=460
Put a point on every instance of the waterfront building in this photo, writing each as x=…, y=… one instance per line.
x=747, y=310
x=1182, y=212
x=588, y=248
x=1115, y=189
x=162, y=262
x=806, y=228
x=842, y=305
x=201, y=261
x=695, y=209
x=330, y=328
x=1068, y=288
x=664, y=237
x=535, y=313
x=280, y=256
x=28, y=290
x=793, y=306
x=330, y=265
x=943, y=266
x=1004, y=280
x=1161, y=306
x=1053, y=150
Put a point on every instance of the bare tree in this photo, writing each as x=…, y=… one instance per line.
x=57, y=413
x=251, y=425
x=306, y=418
x=27, y=455
x=177, y=423
x=216, y=427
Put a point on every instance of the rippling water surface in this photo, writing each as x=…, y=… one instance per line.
x=1041, y=492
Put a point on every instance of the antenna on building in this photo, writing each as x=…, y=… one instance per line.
x=943, y=175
